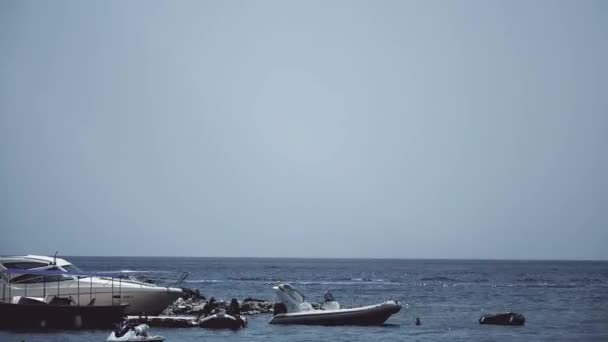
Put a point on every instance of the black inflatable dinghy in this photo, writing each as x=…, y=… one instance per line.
x=509, y=318
x=222, y=320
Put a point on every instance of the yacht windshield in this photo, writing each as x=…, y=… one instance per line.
x=71, y=268
x=34, y=279
x=293, y=293
x=74, y=269
x=25, y=265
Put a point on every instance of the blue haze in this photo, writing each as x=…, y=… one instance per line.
x=410, y=129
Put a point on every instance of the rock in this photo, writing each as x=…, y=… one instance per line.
x=197, y=309
x=253, y=306
x=192, y=294
x=253, y=300
x=193, y=304
x=509, y=318
x=247, y=306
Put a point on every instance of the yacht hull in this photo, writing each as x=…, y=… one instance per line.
x=32, y=316
x=144, y=300
x=48, y=277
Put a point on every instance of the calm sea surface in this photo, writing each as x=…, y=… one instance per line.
x=561, y=300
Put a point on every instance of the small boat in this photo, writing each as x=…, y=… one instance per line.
x=223, y=320
x=295, y=310
x=126, y=332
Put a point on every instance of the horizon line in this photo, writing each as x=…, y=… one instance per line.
x=329, y=258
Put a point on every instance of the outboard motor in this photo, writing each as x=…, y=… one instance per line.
x=330, y=302
x=234, y=309
x=279, y=308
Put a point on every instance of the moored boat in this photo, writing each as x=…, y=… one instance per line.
x=298, y=311
x=223, y=320
x=21, y=277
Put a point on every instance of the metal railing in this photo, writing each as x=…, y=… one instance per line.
x=7, y=287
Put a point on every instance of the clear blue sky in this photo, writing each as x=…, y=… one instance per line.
x=414, y=129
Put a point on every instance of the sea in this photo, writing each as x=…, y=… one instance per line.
x=561, y=300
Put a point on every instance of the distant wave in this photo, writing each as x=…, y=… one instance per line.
x=587, y=280
x=137, y=271
x=533, y=280
x=343, y=282
x=437, y=279
x=539, y=285
x=255, y=279
x=556, y=286
x=198, y=281
x=481, y=280
x=339, y=281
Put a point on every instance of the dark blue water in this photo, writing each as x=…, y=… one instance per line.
x=562, y=300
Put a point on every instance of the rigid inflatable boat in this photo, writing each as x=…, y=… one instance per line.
x=298, y=311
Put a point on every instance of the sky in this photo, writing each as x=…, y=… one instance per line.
x=383, y=129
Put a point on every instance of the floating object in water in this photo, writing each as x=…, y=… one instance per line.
x=222, y=320
x=126, y=332
x=298, y=311
x=418, y=321
x=509, y=318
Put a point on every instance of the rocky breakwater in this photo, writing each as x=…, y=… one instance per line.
x=195, y=304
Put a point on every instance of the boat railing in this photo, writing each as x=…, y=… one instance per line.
x=5, y=275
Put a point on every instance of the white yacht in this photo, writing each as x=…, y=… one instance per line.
x=88, y=289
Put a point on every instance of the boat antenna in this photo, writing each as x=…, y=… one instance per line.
x=182, y=278
x=54, y=259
